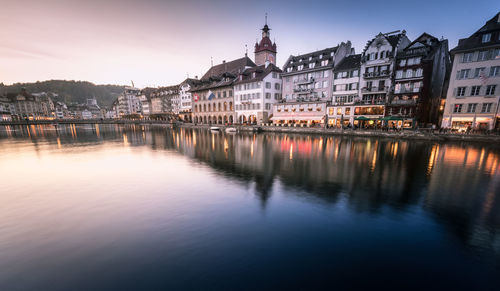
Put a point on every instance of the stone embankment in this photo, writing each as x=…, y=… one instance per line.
x=403, y=134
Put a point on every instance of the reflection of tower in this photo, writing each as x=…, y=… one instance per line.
x=265, y=50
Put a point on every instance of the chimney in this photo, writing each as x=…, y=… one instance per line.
x=224, y=61
x=196, y=77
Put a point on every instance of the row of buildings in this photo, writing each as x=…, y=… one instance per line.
x=394, y=82
x=42, y=106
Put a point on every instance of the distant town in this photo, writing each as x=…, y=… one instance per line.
x=394, y=83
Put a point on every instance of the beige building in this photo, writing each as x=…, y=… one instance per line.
x=473, y=94
x=213, y=96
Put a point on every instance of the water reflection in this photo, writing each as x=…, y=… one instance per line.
x=458, y=184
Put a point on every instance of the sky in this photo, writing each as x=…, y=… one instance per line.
x=160, y=43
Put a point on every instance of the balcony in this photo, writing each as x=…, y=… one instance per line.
x=304, y=81
x=300, y=90
x=407, y=90
x=374, y=89
x=381, y=74
x=404, y=102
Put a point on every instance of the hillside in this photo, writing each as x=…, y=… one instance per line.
x=69, y=91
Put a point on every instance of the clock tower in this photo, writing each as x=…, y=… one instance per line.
x=265, y=50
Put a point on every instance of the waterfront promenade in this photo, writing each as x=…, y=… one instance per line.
x=421, y=134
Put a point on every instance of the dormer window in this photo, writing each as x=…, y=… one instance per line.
x=320, y=57
x=300, y=67
x=311, y=65
x=310, y=58
x=253, y=75
x=324, y=62
x=289, y=69
x=486, y=37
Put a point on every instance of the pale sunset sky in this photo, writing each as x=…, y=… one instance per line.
x=157, y=43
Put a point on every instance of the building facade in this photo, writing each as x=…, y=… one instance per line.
x=128, y=102
x=345, y=92
x=185, y=103
x=419, y=83
x=300, y=113
x=309, y=77
x=213, y=94
x=377, y=68
x=473, y=94
x=255, y=91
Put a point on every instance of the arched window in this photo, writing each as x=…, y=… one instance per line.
x=225, y=106
x=230, y=106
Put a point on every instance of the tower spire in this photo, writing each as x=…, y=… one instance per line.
x=266, y=18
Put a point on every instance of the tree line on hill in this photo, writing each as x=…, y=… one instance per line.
x=69, y=91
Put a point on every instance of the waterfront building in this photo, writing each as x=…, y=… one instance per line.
x=472, y=99
x=300, y=113
x=255, y=91
x=128, y=102
x=162, y=102
x=25, y=106
x=185, y=103
x=145, y=98
x=213, y=94
x=308, y=77
x=419, y=83
x=345, y=92
x=6, y=111
x=378, y=61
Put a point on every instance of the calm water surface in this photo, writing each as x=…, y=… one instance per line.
x=140, y=208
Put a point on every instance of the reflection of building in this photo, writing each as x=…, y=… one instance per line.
x=213, y=93
x=377, y=66
x=473, y=94
x=345, y=91
x=421, y=71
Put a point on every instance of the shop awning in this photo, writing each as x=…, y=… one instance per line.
x=365, y=118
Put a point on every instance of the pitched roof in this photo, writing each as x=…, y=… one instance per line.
x=393, y=39
x=475, y=40
x=260, y=73
x=233, y=67
x=349, y=63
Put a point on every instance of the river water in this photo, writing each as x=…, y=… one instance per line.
x=113, y=207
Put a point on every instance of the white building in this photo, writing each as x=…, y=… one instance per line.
x=345, y=91
x=129, y=102
x=473, y=94
x=184, y=104
x=255, y=92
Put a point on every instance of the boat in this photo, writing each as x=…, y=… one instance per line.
x=231, y=129
x=214, y=128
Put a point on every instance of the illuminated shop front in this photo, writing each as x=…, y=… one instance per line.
x=304, y=114
x=368, y=116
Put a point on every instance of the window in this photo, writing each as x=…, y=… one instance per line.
x=461, y=91
x=402, y=63
x=496, y=54
x=467, y=57
x=463, y=74
x=419, y=72
x=289, y=69
x=268, y=85
x=317, y=85
x=355, y=73
x=486, y=107
x=409, y=73
x=478, y=72
x=312, y=65
x=490, y=90
x=224, y=94
x=471, y=108
x=417, y=61
x=325, y=74
x=474, y=91
x=339, y=111
x=348, y=111
x=330, y=110
x=277, y=86
x=324, y=62
x=275, y=75
x=495, y=71
x=276, y=96
x=483, y=56
x=373, y=56
x=411, y=61
x=268, y=95
x=300, y=67
x=399, y=74
x=486, y=37
x=457, y=108
x=325, y=84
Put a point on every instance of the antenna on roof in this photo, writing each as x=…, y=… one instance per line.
x=266, y=18
x=211, y=62
x=246, y=50
x=132, y=84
